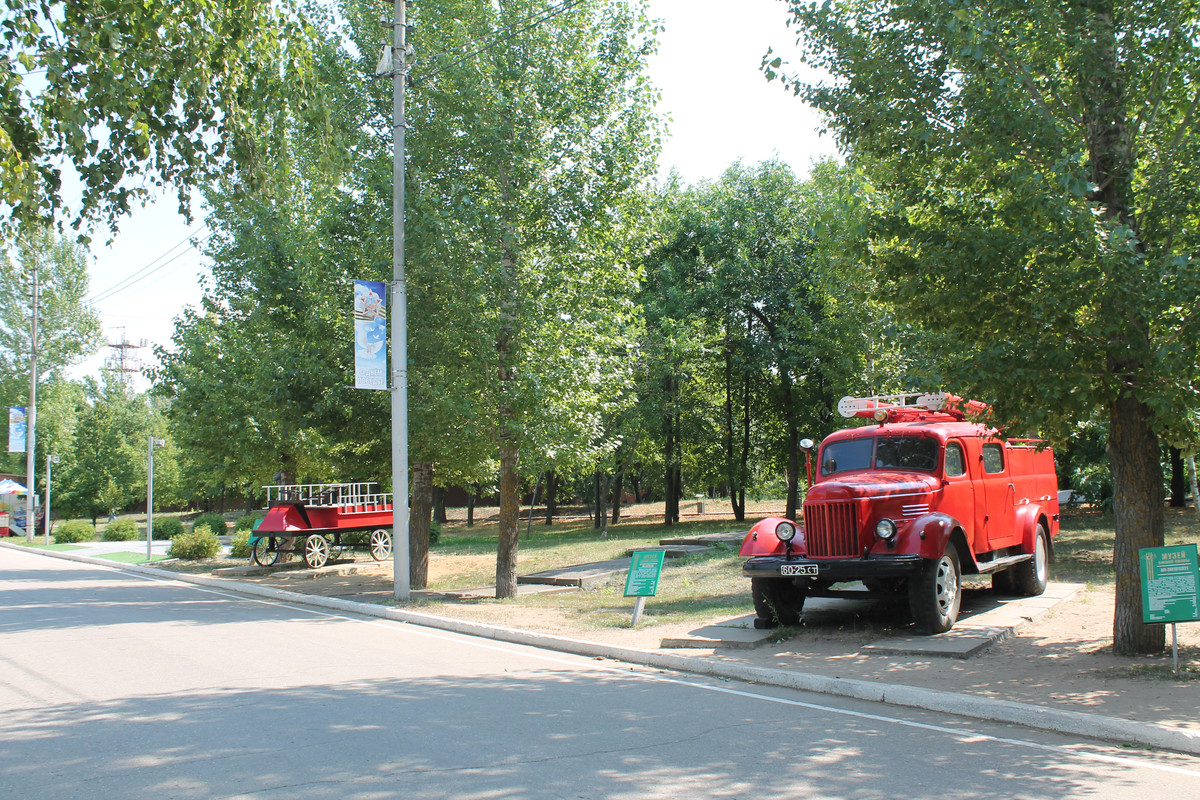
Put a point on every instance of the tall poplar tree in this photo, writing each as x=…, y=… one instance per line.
x=1036, y=210
x=549, y=126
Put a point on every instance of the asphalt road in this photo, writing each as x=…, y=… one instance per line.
x=113, y=685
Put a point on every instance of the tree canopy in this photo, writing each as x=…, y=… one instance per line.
x=1033, y=213
x=133, y=95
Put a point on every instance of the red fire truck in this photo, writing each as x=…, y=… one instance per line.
x=908, y=506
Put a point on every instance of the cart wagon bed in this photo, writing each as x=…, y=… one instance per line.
x=313, y=519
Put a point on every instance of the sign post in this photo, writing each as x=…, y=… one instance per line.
x=645, y=568
x=1170, y=588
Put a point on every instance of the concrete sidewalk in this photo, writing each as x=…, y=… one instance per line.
x=958, y=689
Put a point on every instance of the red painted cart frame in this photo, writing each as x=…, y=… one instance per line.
x=311, y=519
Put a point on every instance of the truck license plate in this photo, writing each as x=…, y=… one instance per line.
x=798, y=569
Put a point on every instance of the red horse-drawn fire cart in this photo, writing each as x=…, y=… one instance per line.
x=315, y=519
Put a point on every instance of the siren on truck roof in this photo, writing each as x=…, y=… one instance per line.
x=912, y=407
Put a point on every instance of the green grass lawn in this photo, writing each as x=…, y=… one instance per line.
x=130, y=558
x=40, y=546
x=1083, y=549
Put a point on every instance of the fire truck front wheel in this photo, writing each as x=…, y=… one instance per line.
x=777, y=601
x=935, y=594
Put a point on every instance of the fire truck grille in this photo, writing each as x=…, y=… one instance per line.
x=831, y=530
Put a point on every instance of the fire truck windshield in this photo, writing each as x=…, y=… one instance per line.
x=918, y=453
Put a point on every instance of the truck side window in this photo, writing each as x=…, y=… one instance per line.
x=956, y=465
x=993, y=458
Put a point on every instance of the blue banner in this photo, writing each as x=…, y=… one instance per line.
x=16, y=429
x=370, y=335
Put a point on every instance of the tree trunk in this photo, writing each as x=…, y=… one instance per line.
x=670, y=458
x=598, y=494
x=439, y=504
x=618, y=487
x=1133, y=458
x=508, y=422
x=419, y=515
x=471, y=499
x=793, y=444
x=740, y=510
x=510, y=512
x=1133, y=447
x=551, y=496
x=1178, y=479
x=733, y=474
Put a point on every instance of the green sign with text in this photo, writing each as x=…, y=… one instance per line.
x=1170, y=584
x=645, y=566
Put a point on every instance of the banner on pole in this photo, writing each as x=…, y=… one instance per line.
x=370, y=335
x=16, y=429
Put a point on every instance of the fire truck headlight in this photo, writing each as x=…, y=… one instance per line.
x=785, y=531
x=885, y=529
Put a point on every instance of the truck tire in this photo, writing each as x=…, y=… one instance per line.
x=777, y=601
x=1029, y=577
x=935, y=595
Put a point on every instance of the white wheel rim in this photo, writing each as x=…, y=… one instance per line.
x=381, y=545
x=318, y=550
x=946, y=587
x=1040, y=561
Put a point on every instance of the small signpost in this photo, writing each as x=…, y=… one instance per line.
x=1170, y=588
x=645, y=567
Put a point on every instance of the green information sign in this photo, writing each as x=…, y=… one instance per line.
x=645, y=566
x=1170, y=584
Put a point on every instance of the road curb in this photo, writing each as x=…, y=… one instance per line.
x=1091, y=726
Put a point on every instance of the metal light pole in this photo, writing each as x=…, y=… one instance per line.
x=150, y=492
x=31, y=412
x=400, y=557
x=49, y=460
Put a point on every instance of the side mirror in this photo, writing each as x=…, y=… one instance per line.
x=807, y=444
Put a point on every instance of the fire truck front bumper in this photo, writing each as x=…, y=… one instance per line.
x=833, y=570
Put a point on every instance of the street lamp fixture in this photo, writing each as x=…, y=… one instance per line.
x=49, y=460
x=153, y=443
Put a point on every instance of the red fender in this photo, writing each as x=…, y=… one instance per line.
x=762, y=541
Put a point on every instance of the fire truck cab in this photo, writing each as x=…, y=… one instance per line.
x=908, y=506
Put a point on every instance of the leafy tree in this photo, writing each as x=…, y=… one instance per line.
x=105, y=469
x=738, y=281
x=548, y=129
x=1035, y=213
x=178, y=85
x=67, y=330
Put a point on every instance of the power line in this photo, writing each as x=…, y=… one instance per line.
x=148, y=270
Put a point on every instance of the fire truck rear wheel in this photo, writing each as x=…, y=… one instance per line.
x=1029, y=578
x=935, y=595
x=777, y=601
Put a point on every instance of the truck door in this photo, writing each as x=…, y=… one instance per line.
x=958, y=495
x=999, y=496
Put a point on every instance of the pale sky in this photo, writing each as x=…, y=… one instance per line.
x=721, y=109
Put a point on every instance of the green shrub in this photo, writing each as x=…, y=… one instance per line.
x=120, y=530
x=435, y=532
x=74, y=531
x=200, y=543
x=246, y=522
x=213, y=521
x=167, y=527
x=240, y=547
